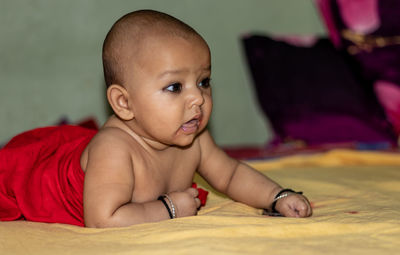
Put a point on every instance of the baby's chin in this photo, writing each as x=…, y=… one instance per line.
x=186, y=140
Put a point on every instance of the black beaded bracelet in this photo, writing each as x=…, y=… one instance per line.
x=161, y=198
x=279, y=196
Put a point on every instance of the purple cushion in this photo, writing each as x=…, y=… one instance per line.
x=313, y=93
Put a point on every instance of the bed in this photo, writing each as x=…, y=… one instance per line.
x=355, y=196
x=354, y=191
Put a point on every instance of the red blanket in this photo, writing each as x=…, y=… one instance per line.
x=40, y=175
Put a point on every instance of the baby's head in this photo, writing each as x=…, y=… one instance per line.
x=128, y=35
x=157, y=71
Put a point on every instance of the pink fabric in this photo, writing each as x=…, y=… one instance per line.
x=389, y=96
x=298, y=40
x=361, y=16
x=325, y=11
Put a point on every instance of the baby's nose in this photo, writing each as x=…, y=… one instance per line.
x=196, y=97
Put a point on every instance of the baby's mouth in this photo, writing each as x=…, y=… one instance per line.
x=191, y=126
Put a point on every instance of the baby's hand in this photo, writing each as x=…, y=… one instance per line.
x=186, y=202
x=294, y=205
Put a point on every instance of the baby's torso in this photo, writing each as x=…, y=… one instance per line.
x=157, y=172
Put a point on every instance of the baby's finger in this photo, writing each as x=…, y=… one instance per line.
x=302, y=211
x=287, y=211
x=308, y=209
x=198, y=203
x=303, y=208
x=193, y=192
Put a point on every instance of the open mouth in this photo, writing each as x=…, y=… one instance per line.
x=191, y=126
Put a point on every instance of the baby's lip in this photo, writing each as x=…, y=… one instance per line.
x=192, y=125
x=198, y=117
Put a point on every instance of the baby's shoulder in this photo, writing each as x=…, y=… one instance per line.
x=112, y=137
x=108, y=145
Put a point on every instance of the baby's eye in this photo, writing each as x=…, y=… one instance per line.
x=205, y=83
x=175, y=88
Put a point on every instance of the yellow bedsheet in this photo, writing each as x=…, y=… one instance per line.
x=356, y=199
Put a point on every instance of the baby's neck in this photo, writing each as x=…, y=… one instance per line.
x=148, y=144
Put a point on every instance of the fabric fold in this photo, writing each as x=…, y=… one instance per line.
x=41, y=177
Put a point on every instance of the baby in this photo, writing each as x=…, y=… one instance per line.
x=140, y=165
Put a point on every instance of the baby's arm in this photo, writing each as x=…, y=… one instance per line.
x=245, y=184
x=109, y=185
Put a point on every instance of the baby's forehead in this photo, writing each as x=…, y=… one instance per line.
x=161, y=53
x=156, y=45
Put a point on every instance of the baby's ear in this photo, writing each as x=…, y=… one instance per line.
x=118, y=98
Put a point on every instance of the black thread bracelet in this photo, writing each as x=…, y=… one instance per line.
x=161, y=198
x=276, y=198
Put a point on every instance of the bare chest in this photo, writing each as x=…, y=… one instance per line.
x=163, y=174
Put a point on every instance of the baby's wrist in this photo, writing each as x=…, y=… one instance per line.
x=168, y=205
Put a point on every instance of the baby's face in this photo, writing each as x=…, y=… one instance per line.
x=170, y=90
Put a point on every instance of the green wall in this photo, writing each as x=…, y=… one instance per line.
x=50, y=58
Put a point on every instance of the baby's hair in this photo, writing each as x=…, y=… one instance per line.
x=126, y=35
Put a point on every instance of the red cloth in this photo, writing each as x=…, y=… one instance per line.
x=202, y=194
x=40, y=175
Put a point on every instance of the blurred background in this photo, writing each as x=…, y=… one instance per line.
x=50, y=58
